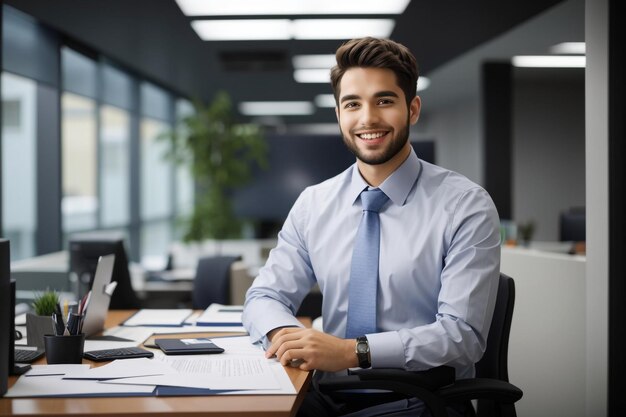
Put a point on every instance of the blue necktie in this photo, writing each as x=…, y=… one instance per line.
x=364, y=271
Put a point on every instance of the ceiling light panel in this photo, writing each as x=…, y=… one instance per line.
x=290, y=7
x=276, y=108
x=240, y=30
x=549, y=61
x=326, y=61
x=423, y=83
x=577, y=48
x=284, y=29
x=314, y=75
x=325, y=101
x=308, y=29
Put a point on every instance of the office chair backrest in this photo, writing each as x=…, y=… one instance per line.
x=494, y=363
x=212, y=281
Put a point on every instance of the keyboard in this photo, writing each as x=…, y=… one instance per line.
x=27, y=356
x=118, y=353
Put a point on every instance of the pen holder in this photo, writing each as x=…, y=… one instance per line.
x=64, y=349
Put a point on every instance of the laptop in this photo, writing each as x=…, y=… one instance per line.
x=98, y=307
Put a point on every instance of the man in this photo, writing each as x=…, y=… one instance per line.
x=436, y=242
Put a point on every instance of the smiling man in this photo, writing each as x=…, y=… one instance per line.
x=406, y=253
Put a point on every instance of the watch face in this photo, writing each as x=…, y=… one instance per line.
x=362, y=347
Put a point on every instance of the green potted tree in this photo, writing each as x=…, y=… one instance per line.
x=40, y=322
x=221, y=154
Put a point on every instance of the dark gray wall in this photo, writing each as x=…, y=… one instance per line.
x=548, y=146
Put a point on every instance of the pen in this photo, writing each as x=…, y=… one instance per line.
x=57, y=317
x=73, y=323
x=66, y=308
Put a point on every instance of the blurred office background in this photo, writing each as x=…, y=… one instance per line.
x=88, y=87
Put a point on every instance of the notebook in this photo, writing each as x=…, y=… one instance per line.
x=98, y=307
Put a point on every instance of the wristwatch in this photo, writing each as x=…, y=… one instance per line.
x=362, y=350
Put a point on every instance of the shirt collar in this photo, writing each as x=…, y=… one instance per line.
x=397, y=186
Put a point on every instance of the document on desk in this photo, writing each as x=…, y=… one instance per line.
x=159, y=317
x=47, y=381
x=121, y=368
x=221, y=315
x=241, y=369
x=195, y=371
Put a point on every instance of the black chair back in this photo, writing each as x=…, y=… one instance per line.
x=212, y=281
x=494, y=363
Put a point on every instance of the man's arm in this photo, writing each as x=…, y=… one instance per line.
x=312, y=349
x=469, y=282
x=284, y=281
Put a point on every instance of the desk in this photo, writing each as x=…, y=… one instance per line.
x=233, y=406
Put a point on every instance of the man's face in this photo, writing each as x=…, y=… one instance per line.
x=373, y=115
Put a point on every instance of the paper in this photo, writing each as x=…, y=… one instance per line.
x=121, y=368
x=158, y=317
x=41, y=370
x=137, y=334
x=241, y=369
x=221, y=315
x=215, y=373
x=239, y=346
x=47, y=381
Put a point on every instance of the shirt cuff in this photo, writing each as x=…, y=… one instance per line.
x=386, y=350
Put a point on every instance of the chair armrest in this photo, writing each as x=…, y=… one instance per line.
x=481, y=388
x=422, y=385
x=430, y=379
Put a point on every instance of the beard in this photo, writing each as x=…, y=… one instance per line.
x=395, y=145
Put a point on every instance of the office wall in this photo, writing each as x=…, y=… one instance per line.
x=457, y=130
x=548, y=146
x=547, y=355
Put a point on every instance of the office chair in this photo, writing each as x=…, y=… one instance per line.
x=438, y=388
x=212, y=281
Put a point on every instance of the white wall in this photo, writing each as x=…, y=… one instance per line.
x=596, y=118
x=547, y=353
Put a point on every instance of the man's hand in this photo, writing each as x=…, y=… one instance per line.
x=315, y=349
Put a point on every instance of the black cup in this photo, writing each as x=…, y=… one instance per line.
x=64, y=349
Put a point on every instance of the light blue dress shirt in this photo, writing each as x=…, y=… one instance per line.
x=438, y=273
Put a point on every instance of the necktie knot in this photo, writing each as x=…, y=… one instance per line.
x=373, y=200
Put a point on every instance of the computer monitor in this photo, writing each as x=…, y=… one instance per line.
x=85, y=250
x=572, y=225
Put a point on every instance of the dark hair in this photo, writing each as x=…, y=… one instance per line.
x=377, y=53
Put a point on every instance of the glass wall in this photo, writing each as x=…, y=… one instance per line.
x=184, y=179
x=114, y=167
x=156, y=176
x=79, y=205
x=81, y=137
x=19, y=163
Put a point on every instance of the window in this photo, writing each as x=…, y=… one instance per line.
x=19, y=164
x=184, y=178
x=79, y=205
x=114, y=167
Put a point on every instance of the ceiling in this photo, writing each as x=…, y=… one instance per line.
x=153, y=37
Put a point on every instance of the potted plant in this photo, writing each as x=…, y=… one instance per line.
x=221, y=154
x=40, y=323
x=526, y=232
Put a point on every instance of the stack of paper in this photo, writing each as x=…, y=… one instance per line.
x=241, y=369
x=158, y=318
x=221, y=315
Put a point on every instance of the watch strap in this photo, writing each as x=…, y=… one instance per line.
x=363, y=352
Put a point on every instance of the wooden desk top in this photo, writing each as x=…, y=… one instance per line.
x=231, y=405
